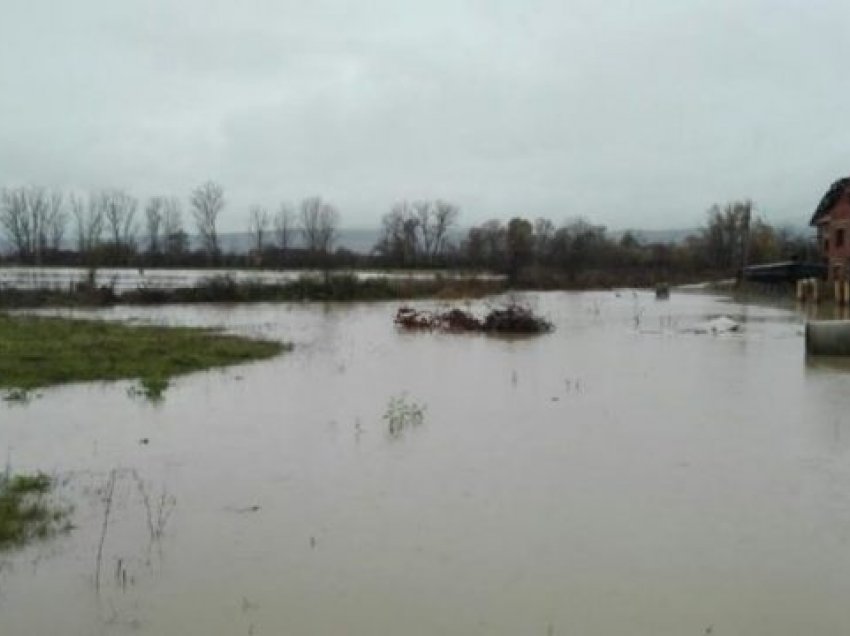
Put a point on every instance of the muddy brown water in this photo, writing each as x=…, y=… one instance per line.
x=621, y=475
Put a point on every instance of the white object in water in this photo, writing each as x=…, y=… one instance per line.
x=721, y=324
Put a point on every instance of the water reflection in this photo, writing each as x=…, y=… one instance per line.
x=824, y=311
x=828, y=364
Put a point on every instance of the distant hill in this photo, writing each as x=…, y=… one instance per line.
x=357, y=240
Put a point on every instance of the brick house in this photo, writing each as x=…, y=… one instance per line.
x=832, y=220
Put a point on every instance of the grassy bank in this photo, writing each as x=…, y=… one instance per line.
x=25, y=513
x=37, y=352
x=335, y=288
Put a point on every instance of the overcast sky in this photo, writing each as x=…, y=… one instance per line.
x=630, y=113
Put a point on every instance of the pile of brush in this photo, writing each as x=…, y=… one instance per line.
x=512, y=318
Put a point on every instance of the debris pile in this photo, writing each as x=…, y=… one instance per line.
x=512, y=318
x=409, y=318
x=515, y=319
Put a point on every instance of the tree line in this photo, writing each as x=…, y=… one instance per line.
x=536, y=252
x=112, y=227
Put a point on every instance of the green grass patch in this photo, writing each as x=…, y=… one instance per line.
x=25, y=512
x=37, y=352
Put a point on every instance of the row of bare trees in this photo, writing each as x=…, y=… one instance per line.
x=316, y=222
x=108, y=224
x=33, y=220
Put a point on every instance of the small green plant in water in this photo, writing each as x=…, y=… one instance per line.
x=402, y=414
x=25, y=513
x=151, y=388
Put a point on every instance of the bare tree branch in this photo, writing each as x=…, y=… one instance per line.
x=284, y=226
x=319, y=225
x=258, y=224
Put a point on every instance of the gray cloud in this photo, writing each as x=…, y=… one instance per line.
x=634, y=114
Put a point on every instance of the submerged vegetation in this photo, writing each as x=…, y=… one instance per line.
x=36, y=351
x=25, y=512
x=224, y=289
x=402, y=414
x=151, y=388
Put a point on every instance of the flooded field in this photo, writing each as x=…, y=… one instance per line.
x=123, y=279
x=631, y=472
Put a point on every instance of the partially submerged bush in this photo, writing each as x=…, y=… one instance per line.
x=515, y=319
x=512, y=318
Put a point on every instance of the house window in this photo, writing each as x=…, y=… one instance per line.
x=839, y=237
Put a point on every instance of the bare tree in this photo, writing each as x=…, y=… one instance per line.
x=399, y=240
x=153, y=223
x=119, y=211
x=207, y=202
x=56, y=221
x=37, y=202
x=14, y=217
x=88, y=219
x=258, y=225
x=176, y=241
x=319, y=222
x=445, y=217
x=29, y=216
x=284, y=226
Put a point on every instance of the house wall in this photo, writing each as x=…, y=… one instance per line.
x=837, y=252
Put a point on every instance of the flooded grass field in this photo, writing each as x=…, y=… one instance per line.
x=123, y=279
x=630, y=472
